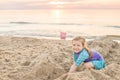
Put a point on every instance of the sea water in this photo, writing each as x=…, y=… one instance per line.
x=50, y=23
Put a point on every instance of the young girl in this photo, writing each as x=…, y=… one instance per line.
x=91, y=58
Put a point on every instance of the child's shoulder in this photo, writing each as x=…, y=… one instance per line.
x=94, y=51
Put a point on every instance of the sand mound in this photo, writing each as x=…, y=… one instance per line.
x=41, y=59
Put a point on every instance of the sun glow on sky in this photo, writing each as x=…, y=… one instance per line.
x=59, y=4
x=56, y=3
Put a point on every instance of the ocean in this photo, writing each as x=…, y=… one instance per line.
x=50, y=23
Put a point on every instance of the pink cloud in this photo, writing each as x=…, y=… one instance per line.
x=68, y=4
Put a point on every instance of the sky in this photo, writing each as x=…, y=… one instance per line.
x=58, y=4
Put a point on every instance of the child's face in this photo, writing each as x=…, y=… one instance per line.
x=77, y=46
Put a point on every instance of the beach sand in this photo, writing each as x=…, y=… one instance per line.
x=23, y=58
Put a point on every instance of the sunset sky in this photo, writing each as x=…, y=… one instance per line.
x=59, y=4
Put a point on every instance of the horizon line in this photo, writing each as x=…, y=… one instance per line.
x=59, y=8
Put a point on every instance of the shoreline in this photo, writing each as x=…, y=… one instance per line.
x=88, y=38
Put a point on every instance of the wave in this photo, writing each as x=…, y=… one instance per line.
x=45, y=23
x=21, y=22
x=114, y=26
x=64, y=24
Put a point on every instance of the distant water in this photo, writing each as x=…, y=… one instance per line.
x=49, y=23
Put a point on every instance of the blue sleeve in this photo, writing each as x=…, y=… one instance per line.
x=74, y=57
x=82, y=57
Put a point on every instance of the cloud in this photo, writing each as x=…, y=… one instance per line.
x=26, y=4
x=68, y=4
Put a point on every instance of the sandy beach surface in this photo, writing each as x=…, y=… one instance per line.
x=23, y=58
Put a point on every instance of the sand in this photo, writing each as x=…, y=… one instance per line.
x=23, y=58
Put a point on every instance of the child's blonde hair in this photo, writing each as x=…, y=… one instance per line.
x=83, y=41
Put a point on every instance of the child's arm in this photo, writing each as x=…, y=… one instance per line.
x=84, y=55
x=73, y=68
